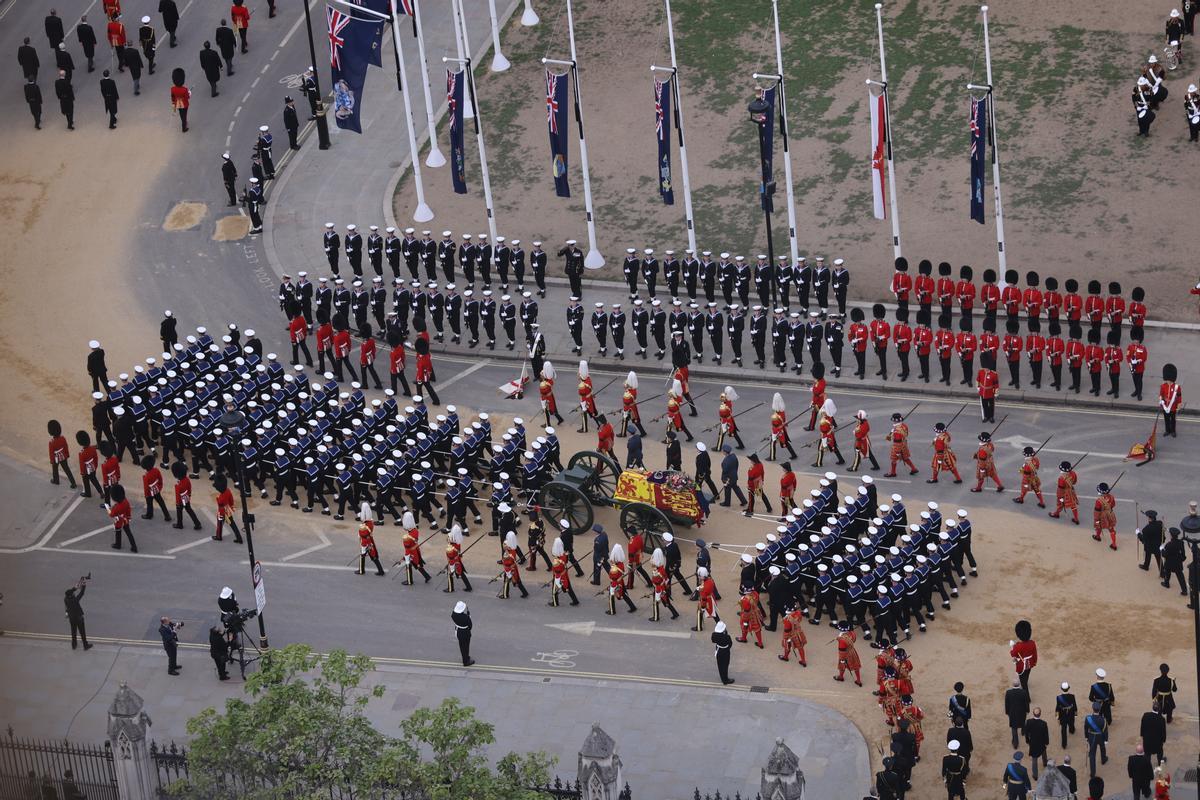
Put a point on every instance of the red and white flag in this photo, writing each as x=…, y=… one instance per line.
x=879, y=146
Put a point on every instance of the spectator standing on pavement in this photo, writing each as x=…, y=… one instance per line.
x=72, y=601
x=87, y=41
x=108, y=90
x=1016, y=708
x=33, y=97
x=27, y=57
x=66, y=98
x=218, y=649
x=181, y=96
x=227, y=44
x=291, y=123
x=241, y=22
x=461, y=618
x=170, y=640
x=210, y=63
x=170, y=17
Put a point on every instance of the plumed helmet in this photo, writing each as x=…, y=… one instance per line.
x=829, y=408
x=777, y=403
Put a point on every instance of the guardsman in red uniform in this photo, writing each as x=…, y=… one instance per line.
x=754, y=485
x=110, y=470
x=1075, y=352
x=985, y=463
x=1114, y=306
x=1104, y=515
x=706, y=605
x=413, y=560
x=944, y=343
x=966, y=344
x=1012, y=353
x=366, y=357
x=560, y=580
x=509, y=568
x=946, y=289
x=1030, y=480
x=923, y=342
x=1093, y=305
x=675, y=410
x=1072, y=302
x=817, y=400
x=989, y=387
x=903, y=336
x=827, y=429
x=1065, y=497
x=779, y=431
x=902, y=282
x=923, y=288
x=1031, y=298
x=1056, y=350
x=1053, y=301
x=424, y=377
x=366, y=541
x=629, y=406
x=847, y=656
x=1113, y=357
x=117, y=39
x=1010, y=295
x=862, y=442
x=989, y=344
x=660, y=586
x=964, y=290
x=881, y=332
x=324, y=341
x=89, y=464
x=60, y=454
x=1137, y=307
x=793, y=635
x=637, y=548
x=546, y=393
x=726, y=424
x=681, y=374
x=112, y=7
x=989, y=294
x=1093, y=355
x=239, y=15
x=342, y=347
x=898, y=436
x=943, y=455
x=1170, y=398
x=454, y=565
x=183, y=496
x=604, y=436
x=1035, y=351
x=152, y=486
x=750, y=618
x=225, y=508
x=396, y=362
x=298, y=332
x=616, y=581
x=787, y=488
x=121, y=512
x=587, y=400
x=857, y=337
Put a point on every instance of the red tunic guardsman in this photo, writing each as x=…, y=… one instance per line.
x=706, y=605
x=616, y=581
x=110, y=470
x=943, y=454
x=726, y=422
x=1113, y=356
x=987, y=387
x=1093, y=355
x=898, y=436
x=121, y=512
x=1137, y=308
x=1104, y=515
x=629, y=405
x=324, y=343
x=989, y=345
x=681, y=374
x=111, y=8
x=1065, y=497
x=397, y=358
x=424, y=376
x=1114, y=305
x=587, y=400
x=366, y=361
x=945, y=287
x=902, y=334
x=183, y=497
x=225, y=509
x=966, y=344
x=989, y=293
x=750, y=618
x=818, y=395
x=923, y=342
x=944, y=344
x=923, y=284
x=754, y=485
x=1010, y=295
x=546, y=393
x=152, y=486
x=660, y=586
x=1030, y=480
x=116, y=34
x=1031, y=298
x=637, y=548
x=847, y=656
x=560, y=580
x=985, y=463
x=509, y=569
x=1135, y=357
x=89, y=462
x=1012, y=346
x=827, y=429
x=794, y=637
x=857, y=336
x=605, y=436
x=1072, y=302
x=413, y=560
x=881, y=333
x=454, y=565
x=1056, y=349
x=902, y=282
x=1093, y=305
x=862, y=442
x=965, y=290
x=1170, y=398
x=787, y=489
x=59, y=453
x=779, y=431
x=366, y=541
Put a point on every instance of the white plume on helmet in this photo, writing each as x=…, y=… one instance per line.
x=557, y=548
x=456, y=534
x=510, y=540
x=548, y=370
x=631, y=380
x=657, y=558
x=364, y=511
x=730, y=394
x=677, y=388
x=829, y=408
x=408, y=521
x=583, y=369
x=617, y=554
x=777, y=403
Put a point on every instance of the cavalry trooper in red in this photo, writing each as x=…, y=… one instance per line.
x=660, y=586
x=1170, y=398
x=1065, y=497
x=629, y=406
x=616, y=581
x=675, y=410
x=587, y=400
x=828, y=432
x=793, y=635
x=818, y=395
x=988, y=387
x=862, y=442
x=750, y=618
x=637, y=548
x=509, y=569
x=1104, y=515
x=560, y=580
x=847, y=655
x=779, y=431
x=546, y=392
x=985, y=463
x=412, y=549
x=943, y=455
x=726, y=424
x=705, y=599
x=754, y=485
x=898, y=436
x=366, y=540
x=1030, y=480
x=454, y=564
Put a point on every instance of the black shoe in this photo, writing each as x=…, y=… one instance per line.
x=87, y=645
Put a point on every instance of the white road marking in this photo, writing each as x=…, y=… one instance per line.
x=255, y=82
x=273, y=55
x=238, y=110
x=588, y=628
x=324, y=543
x=83, y=536
x=231, y=124
x=125, y=553
x=73, y=27
x=295, y=27
x=167, y=35
x=74, y=504
x=244, y=99
x=189, y=545
x=266, y=67
x=461, y=375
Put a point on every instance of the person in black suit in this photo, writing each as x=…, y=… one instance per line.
x=1016, y=707
x=291, y=123
x=170, y=17
x=227, y=44
x=66, y=98
x=33, y=96
x=461, y=618
x=729, y=477
x=1154, y=734
x=1068, y=772
x=218, y=649
x=1141, y=773
x=1037, y=737
x=63, y=60
x=674, y=452
x=703, y=475
x=54, y=29
x=27, y=57
x=87, y=41
x=108, y=90
x=1151, y=537
x=133, y=61
x=210, y=63
x=71, y=600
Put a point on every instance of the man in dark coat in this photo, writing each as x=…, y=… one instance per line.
x=54, y=29
x=27, y=57
x=1016, y=708
x=63, y=60
x=729, y=477
x=210, y=62
x=1141, y=773
x=66, y=98
x=1151, y=537
x=1037, y=737
x=133, y=62
x=227, y=44
x=87, y=41
x=1154, y=734
x=108, y=90
x=170, y=17
x=33, y=96
x=291, y=123
x=703, y=474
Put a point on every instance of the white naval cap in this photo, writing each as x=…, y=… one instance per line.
x=261, y=128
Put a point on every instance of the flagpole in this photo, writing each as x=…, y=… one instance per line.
x=483, y=166
x=987, y=59
x=435, y=157
x=499, y=62
x=529, y=18
x=683, y=162
x=787, y=153
x=468, y=112
x=422, y=213
x=893, y=202
x=593, y=260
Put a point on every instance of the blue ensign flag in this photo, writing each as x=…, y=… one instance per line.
x=351, y=43
x=458, y=155
x=978, y=145
x=556, y=124
x=662, y=129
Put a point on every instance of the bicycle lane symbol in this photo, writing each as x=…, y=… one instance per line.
x=558, y=658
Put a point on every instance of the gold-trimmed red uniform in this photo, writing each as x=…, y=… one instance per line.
x=412, y=548
x=943, y=456
x=794, y=637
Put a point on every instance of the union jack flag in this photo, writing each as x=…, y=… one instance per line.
x=337, y=23
x=406, y=7
x=976, y=138
x=658, y=108
x=551, y=102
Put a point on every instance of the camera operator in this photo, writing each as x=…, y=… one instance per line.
x=218, y=648
x=75, y=612
x=170, y=639
x=232, y=617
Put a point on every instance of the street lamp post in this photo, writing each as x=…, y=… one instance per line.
x=234, y=423
x=760, y=115
x=322, y=122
